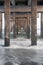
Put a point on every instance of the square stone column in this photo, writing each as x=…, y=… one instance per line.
x=28, y=25
x=14, y=26
x=0, y=25
x=7, y=22
x=29, y=2
x=41, y=25
x=33, y=23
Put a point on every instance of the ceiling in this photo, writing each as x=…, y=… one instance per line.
x=39, y=2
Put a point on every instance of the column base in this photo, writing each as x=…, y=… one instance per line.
x=28, y=36
x=41, y=36
x=7, y=42
x=33, y=43
x=0, y=35
x=28, y=33
x=14, y=36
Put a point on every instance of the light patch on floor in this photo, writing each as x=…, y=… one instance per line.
x=23, y=43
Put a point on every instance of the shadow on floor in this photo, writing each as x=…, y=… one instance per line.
x=8, y=63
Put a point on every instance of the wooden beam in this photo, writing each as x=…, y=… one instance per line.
x=26, y=9
x=33, y=23
x=7, y=22
x=22, y=9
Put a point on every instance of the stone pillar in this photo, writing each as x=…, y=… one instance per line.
x=29, y=2
x=14, y=26
x=28, y=25
x=41, y=25
x=0, y=25
x=7, y=22
x=33, y=23
x=17, y=28
x=13, y=2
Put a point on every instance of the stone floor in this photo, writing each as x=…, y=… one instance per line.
x=21, y=53
x=21, y=56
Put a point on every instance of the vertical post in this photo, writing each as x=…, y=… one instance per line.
x=17, y=28
x=29, y=2
x=28, y=25
x=0, y=25
x=7, y=22
x=33, y=23
x=41, y=25
x=14, y=26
